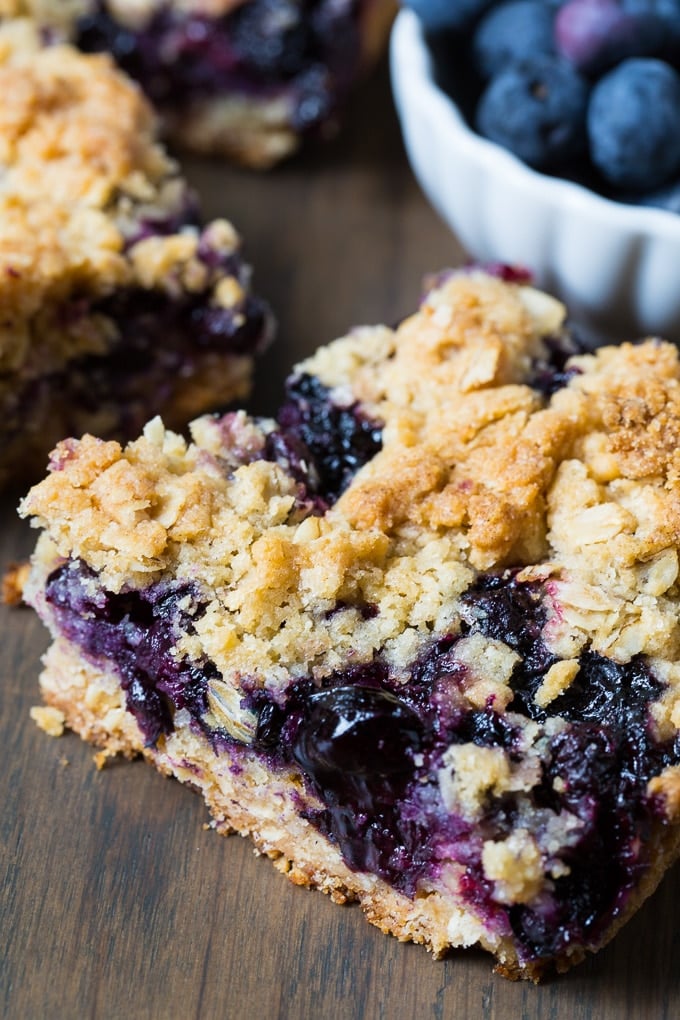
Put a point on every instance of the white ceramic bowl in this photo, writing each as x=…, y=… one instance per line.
x=616, y=266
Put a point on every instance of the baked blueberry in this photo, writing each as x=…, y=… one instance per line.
x=323, y=442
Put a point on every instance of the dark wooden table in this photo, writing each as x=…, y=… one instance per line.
x=116, y=902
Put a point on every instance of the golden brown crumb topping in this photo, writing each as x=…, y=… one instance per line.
x=477, y=471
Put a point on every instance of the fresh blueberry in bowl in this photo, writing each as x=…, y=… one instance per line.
x=595, y=34
x=634, y=124
x=527, y=170
x=515, y=31
x=667, y=11
x=536, y=109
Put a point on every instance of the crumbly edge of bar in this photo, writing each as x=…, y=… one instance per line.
x=78, y=143
x=259, y=803
x=262, y=804
x=252, y=131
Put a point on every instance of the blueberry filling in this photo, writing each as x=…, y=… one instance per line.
x=501, y=608
x=320, y=443
x=607, y=768
x=161, y=341
x=149, y=320
x=366, y=610
x=551, y=372
x=136, y=630
x=371, y=748
x=505, y=609
x=311, y=49
x=363, y=734
x=356, y=743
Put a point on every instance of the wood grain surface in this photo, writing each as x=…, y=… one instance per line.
x=116, y=901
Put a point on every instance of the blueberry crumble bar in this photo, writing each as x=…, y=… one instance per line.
x=417, y=636
x=248, y=79
x=117, y=303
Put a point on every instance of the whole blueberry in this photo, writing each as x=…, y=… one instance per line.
x=537, y=110
x=668, y=11
x=447, y=14
x=510, y=33
x=357, y=731
x=596, y=34
x=634, y=124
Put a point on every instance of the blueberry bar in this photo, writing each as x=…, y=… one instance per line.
x=117, y=303
x=417, y=636
x=248, y=79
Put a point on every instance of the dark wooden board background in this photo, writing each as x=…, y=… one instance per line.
x=115, y=901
